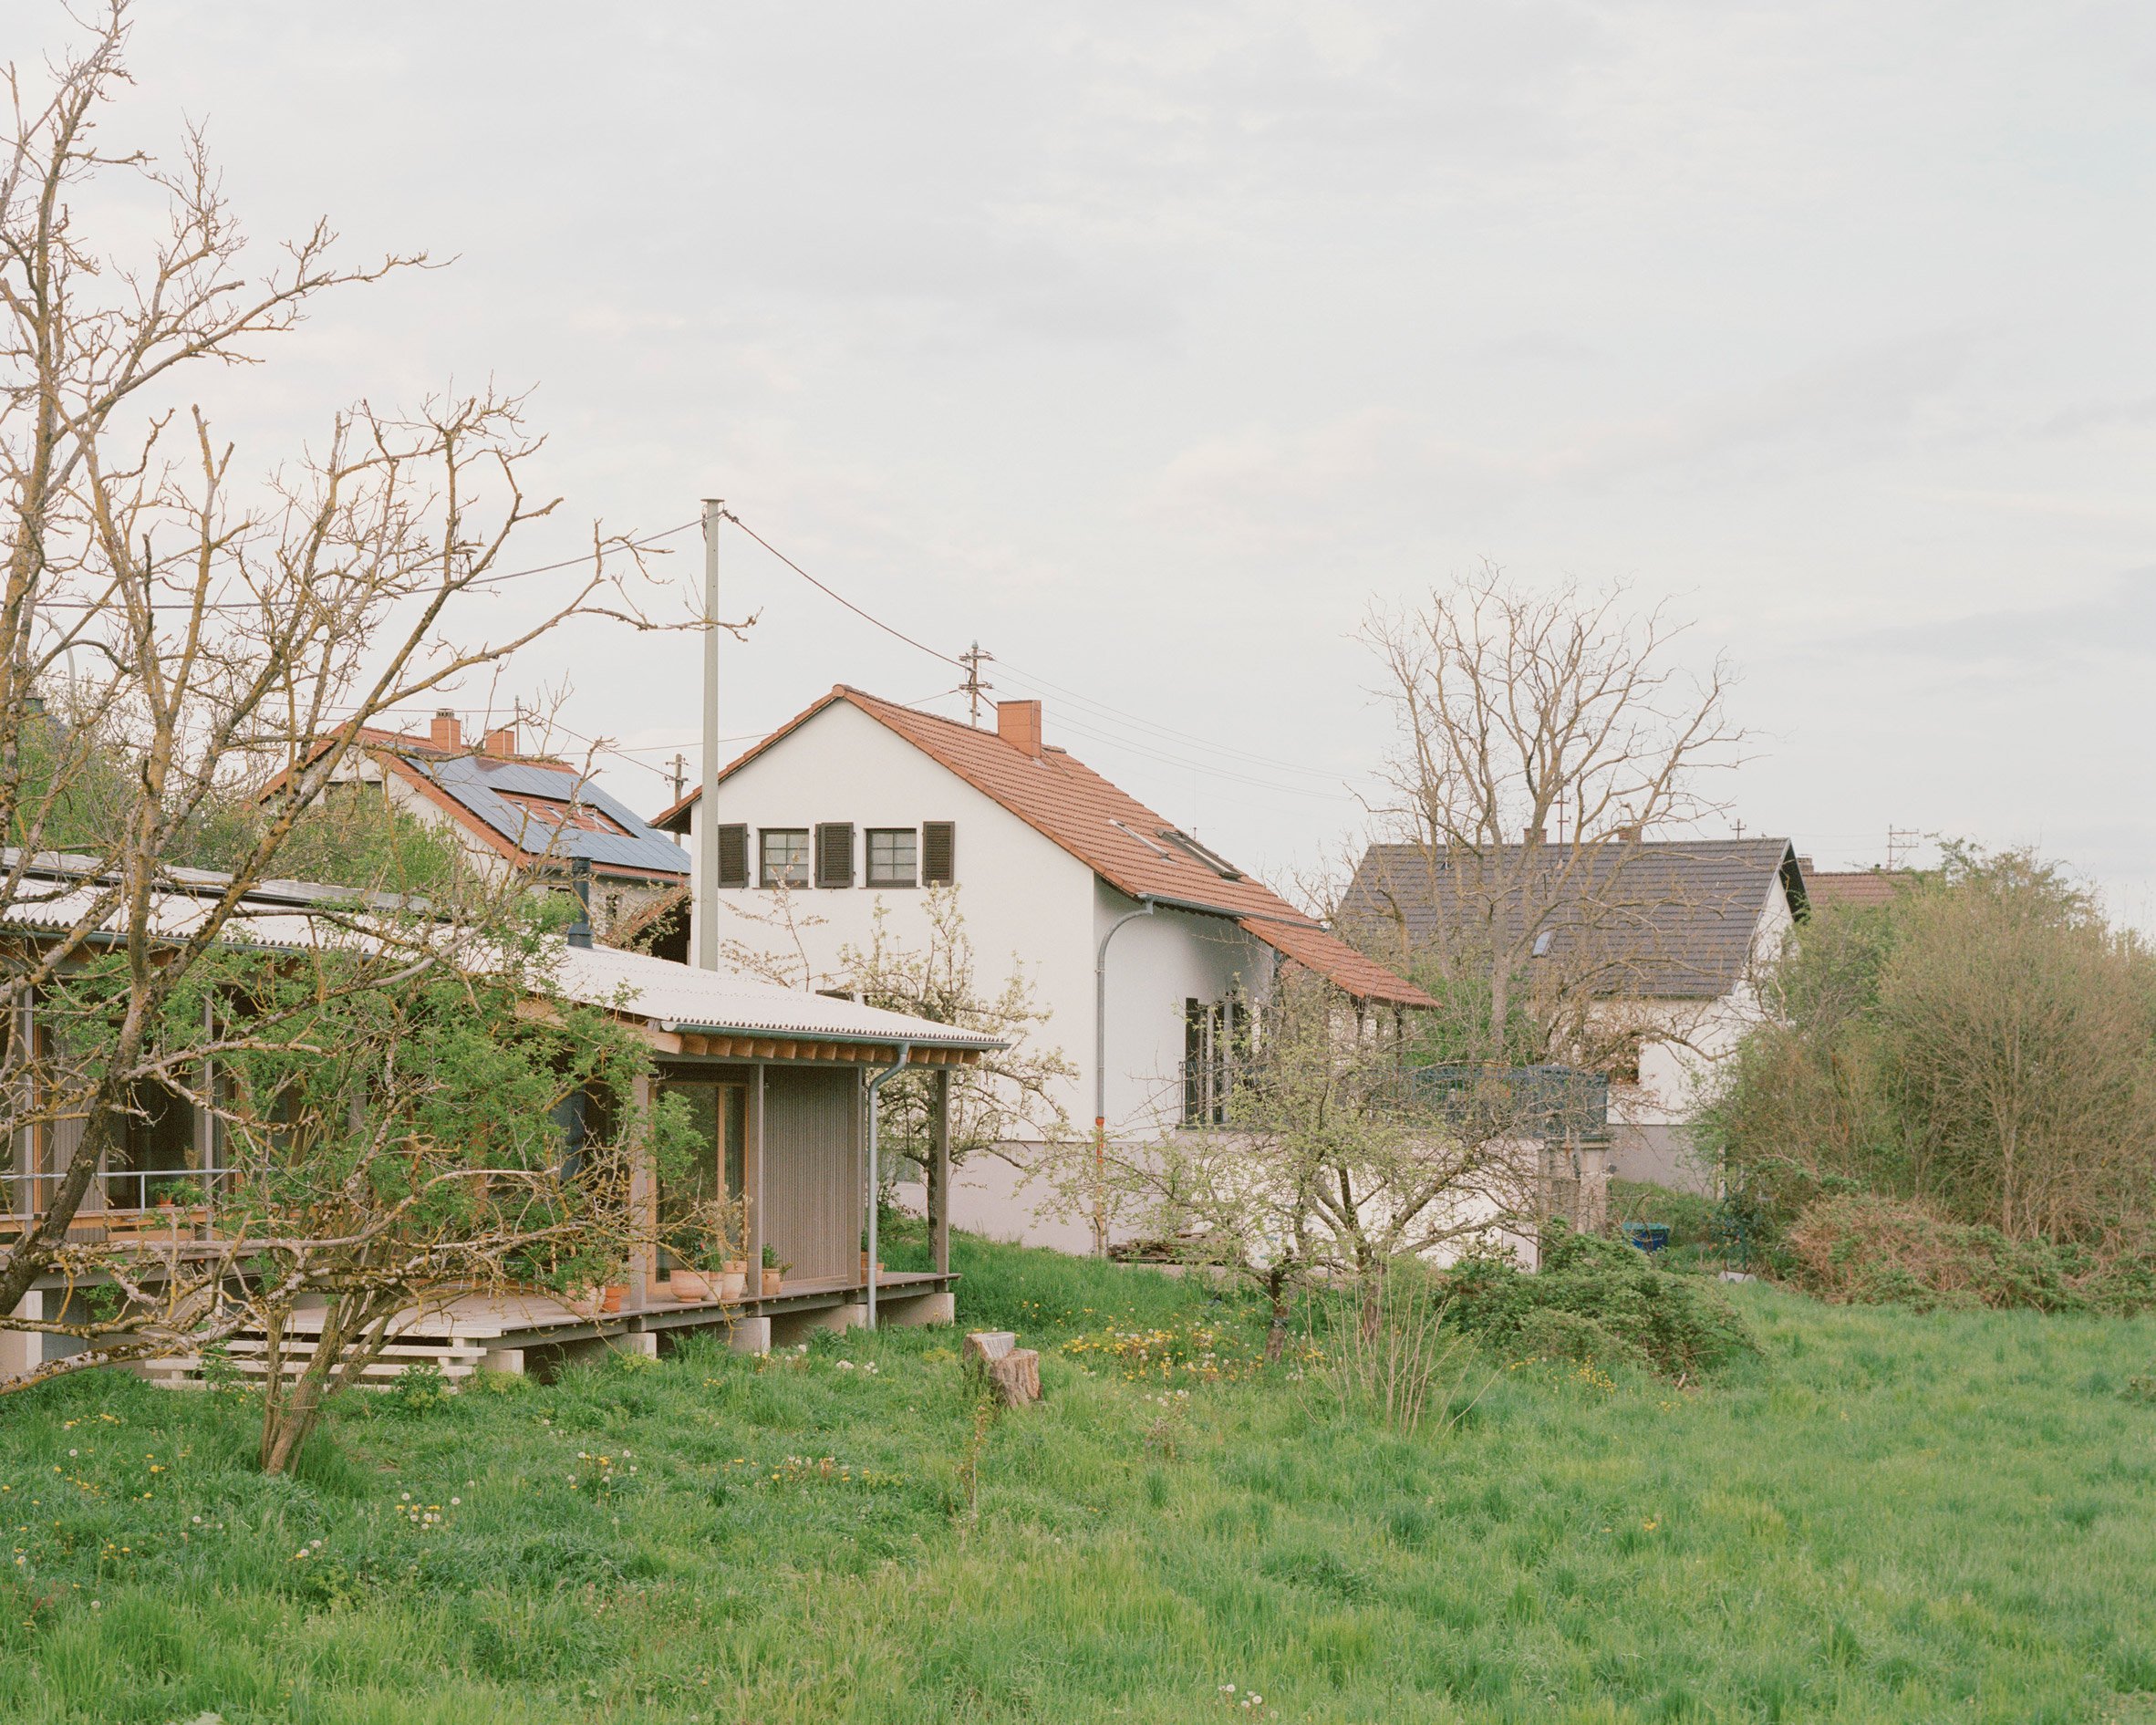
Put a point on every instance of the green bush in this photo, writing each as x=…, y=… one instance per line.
x=1679, y=1326
x=1550, y=1332
x=1860, y=1249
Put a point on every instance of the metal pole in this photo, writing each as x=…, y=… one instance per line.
x=1100, y=1076
x=874, y=1172
x=707, y=849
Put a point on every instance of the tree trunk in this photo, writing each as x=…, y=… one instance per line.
x=1276, y=1332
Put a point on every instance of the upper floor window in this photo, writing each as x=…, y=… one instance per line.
x=786, y=858
x=892, y=857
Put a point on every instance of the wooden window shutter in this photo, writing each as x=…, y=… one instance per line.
x=939, y=865
x=733, y=855
x=835, y=854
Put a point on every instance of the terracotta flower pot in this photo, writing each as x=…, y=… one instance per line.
x=690, y=1285
x=611, y=1301
x=771, y=1281
x=733, y=1282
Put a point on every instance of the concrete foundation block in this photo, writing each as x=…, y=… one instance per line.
x=919, y=1309
x=503, y=1359
x=23, y=1351
x=749, y=1335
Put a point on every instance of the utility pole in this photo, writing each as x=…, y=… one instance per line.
x=1900, y=840
x=706, y=859
x=679, y=775
x=974, y=687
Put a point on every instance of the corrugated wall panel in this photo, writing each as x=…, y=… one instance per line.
x=811, y=1169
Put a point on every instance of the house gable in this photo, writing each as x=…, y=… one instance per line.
x=1116, y=837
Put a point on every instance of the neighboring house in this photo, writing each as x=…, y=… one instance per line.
x=1664, y=937
x=530, y=813
x=1857, y=886
x=1105, y=907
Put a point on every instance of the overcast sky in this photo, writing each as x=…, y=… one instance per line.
x=1149, y=344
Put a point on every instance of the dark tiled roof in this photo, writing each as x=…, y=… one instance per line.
x=1113, y=833
x=1662, y=919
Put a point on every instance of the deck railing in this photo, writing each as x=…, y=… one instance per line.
x=125, y=1191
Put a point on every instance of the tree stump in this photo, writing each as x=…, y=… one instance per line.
x=1011, y=1371
x=1017, y=1376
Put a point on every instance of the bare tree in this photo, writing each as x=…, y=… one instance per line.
x=1517, y=712
x=168, y=629
x=1332, y=1162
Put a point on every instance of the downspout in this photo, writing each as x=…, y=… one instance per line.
x=1100, y=1074
x=875, y=1173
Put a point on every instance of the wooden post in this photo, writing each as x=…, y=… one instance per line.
x=643, y=1269
x=939, y=1176
x=752, y=1180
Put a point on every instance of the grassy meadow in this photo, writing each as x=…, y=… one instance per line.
x=1887, y=1517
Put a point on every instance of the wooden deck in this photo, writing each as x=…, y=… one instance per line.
x=481, y=1332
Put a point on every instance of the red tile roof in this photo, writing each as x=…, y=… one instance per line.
x=1855, y=885
x=1110, y=831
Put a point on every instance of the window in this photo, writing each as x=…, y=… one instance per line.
x=553, y=812
x=891, y=856
x=733, y=855
x=1198, y=853
x=1542, y=942
x=1216, y=1038
x=939, y=865
x=835, y=854
x=786, y=856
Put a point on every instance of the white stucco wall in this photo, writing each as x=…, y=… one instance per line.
x=1026, y=901
x=1156, y=963
x=1680, y=1069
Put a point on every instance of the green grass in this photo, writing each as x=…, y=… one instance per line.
x=1890, y=1517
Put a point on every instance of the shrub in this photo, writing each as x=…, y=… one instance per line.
x=1679, y=1326
x=1859, y=1249
x=1552, y=1333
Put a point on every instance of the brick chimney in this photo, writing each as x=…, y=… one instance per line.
x=1629, y=834
x=446, y=733
x=1017, y=722
x=501, y=742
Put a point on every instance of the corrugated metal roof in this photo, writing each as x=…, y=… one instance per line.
x=672, y=996
x=474, y=782
x=680, y=997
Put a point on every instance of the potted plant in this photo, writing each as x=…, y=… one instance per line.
x=775, y=1271
x=688, y=1285
x=614, y=1296
x=734, y=1278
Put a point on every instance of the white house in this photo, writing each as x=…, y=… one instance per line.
x=1672, y=936
x=1141, y=944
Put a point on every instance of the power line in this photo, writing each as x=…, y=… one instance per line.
x=188, y=606
x=969, y=662
x=841, y=598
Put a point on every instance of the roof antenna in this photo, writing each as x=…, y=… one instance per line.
x=973, y=687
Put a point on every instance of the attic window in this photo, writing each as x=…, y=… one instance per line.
x=1190, y=848
x=555, y=812
x=1131, y=832
x=1542, y=942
